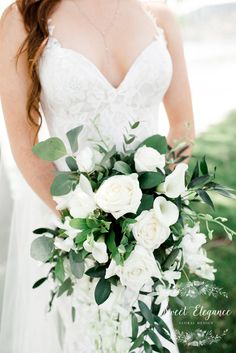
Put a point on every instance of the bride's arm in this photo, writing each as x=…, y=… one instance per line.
x=177, y=100
x=14, y=85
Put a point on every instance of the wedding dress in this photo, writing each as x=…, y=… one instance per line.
x=74, y=92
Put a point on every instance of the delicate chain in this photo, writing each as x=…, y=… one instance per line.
x=102, y=32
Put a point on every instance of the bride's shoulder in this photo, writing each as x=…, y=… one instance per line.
x=164, y=15
x=12, y=30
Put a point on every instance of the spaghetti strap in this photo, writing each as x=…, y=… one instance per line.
x=50, y=26
x=149, y=13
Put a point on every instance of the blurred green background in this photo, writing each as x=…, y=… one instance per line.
x=219, y=144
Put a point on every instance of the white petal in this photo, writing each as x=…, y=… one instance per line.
x=166, y=211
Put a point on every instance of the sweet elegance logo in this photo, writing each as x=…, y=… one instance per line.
x=194, y=311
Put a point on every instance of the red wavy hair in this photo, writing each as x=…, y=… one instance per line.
x=35, y=15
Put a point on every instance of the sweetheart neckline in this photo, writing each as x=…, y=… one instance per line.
x=155, y=40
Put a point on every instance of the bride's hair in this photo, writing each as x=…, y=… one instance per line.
x=35, y=14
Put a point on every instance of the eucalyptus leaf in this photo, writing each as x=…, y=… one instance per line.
x=77, y=264
x=62, y=184
x=134, y=322
x=42, y=248
x=122, y=167
x=65, y=287
x=50, y=149
x=71, y=162
x=72, y=136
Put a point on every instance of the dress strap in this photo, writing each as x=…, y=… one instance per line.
x=152, y=17
x=50, y=26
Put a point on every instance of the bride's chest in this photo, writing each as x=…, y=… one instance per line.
x=68, y=79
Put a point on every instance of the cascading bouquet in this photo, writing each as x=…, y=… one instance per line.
x=128, y=228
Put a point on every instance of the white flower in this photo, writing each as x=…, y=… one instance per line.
x=195, y=256
x=148, y=159
x=82, y=201
x=166, y=211
x=97, y=248
x=85, y=160
x=164, y=293
x=171, y=276
x=62, y=201
x=174, y=184
x=192, y=241
x=148, y=231
x=138, y=269
x=119, y=194
x=70, y=231
x=206, y=271
x=64, y=244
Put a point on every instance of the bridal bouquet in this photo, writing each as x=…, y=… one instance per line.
x=127, y=227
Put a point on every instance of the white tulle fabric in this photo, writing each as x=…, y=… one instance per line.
x=75, y=92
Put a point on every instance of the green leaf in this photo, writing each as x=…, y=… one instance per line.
x=108, y=155
x=134, y=322
x=42, y=248
x=203, y=166
x=79, y=223
x=206, y=198
x=147, y=347
x=195, y=173
x=170, y=259
x=50, y=149
x=59, y=270
x=146, y=203
x=102, y=291
x=96, y=272
x=39, y=282
x=73, y=313
x=122, y=167
x=76, y=264
x=62, y=184
x=111, y=244
x=150, y=180
x=157, y=142
x=65, y=287
x=44, y=230
x=155, y=339
x=135, y=125
x=146, y=312
x=72, y=136
x=71, y=162
x=162, y=323
x=199, y=181
x=163, y=333
x=138, y=342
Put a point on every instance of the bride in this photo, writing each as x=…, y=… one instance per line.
x=69, y=61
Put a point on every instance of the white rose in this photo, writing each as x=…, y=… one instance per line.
x=148, y=231
x=85, y=160
x=138, y=269
x=119, y=194
x=174, y=184
x=166, y=211
x=64, y=244
x=148, y=159
x=82, y=201
x=97, y=248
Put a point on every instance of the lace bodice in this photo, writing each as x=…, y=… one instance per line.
x=75, y=92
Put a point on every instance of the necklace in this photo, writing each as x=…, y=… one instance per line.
x=104, y=32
